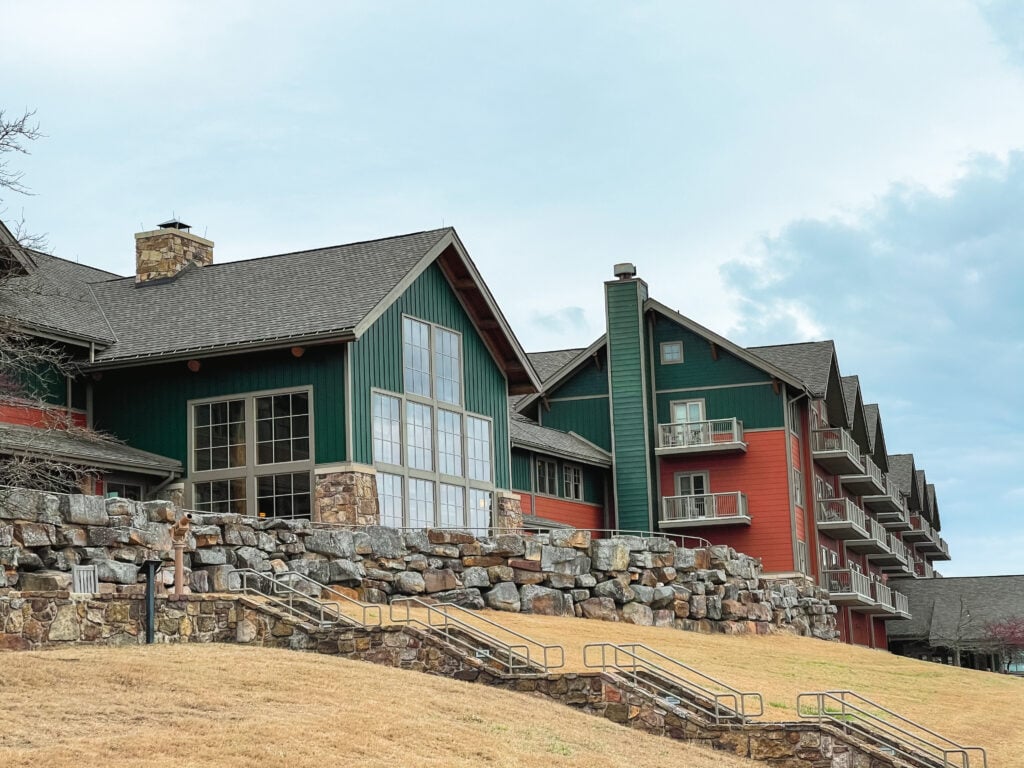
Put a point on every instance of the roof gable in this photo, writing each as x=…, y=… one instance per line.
x=876, y=436
x=855, y=410
x=814, y=363
x=526, y=433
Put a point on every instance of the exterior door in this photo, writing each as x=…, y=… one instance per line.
x=688, y=418
x=695, y=486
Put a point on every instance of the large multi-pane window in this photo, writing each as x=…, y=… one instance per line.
x=435, y=463
x=252, y=454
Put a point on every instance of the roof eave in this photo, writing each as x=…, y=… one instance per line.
x=563, y=373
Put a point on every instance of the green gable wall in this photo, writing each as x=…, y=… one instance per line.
x=757, y=406
x=627, y=367
x=377, y=363
x=590, y=379
x=588, y=418
x=522, y=470
x=698, y=368
x=147, y=406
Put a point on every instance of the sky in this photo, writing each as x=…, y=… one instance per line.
x=779, y=172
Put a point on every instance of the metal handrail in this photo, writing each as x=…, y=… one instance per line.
x=846, y=580
x=878, y=533
x=892, y=733
x=366, y=609
x=835, y=439
x=627, y=661
x=322, y=619
x=704, y=506
x=552, y=656
x=516, y=659
x=839, y=510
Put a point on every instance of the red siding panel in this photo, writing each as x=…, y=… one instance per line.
x=569, y=512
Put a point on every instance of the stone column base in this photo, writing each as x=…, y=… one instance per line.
x=346, y=493
x=508, y=513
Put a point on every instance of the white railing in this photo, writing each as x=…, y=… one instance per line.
x=696, y=434
x=706, y=506
x=882, y=594
x=835, y=439
x=918, y=522
x=924, y=569
x=871, y=470
x=836, y=510
x=847, y=581
x=900, y=602
x=878, y=533
x=898, y=548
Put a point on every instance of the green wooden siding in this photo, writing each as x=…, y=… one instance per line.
x=588, y=418
x=590, y=379
x=627, y=367
x=377, y=363
x=699, y=368
x=147, y=407
x=522, y=470
x=757, y=406
x=593, y=484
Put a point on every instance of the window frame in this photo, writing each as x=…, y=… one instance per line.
x=575, y=485
x=550, y=476
x=702, y=473
x=799, y=494
x=250, y=470
x=432, y=327
x=682, y=352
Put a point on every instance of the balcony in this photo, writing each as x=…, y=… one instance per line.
x=836, y=451
x=888, y=505
x=841, y=519
x=944, y=547
x=718, y=435
x=867, y=483
x=703, y=510
x=923, y=569
x=896, y=559
x=920, y=532
x=848, y=587
x=883, y=601
x=902, y=605
x=876, y=543
x=933, y=546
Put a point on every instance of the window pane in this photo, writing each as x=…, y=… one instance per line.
x=478, y=447
x=421, y=503
x=453, y=512
x=387, y=445
x=416, y=356
x=419, y=438
x=479, y=510
x=285, y=495
x=449, y=443
x=281, y=435
x=215, y=430
x=220, y=496
x=390, y=498
x=447, y=366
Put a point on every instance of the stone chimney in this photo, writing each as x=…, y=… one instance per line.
x=161, y=254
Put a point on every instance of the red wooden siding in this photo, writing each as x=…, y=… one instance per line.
x=762, y=475
x=572, y=513
x=861, y=628
x=30, y=416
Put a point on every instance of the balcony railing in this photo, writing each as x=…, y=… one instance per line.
x=836, y=450
x=701, y=436
x=704, y=509
x=841, y=519
x=901, y=604
x=883, y=595
x=889, y=506
x=848, y=586
x=876, y=542
x=923, y=569
x=919, y=531
x=867, y=483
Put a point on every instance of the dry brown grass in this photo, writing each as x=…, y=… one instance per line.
x=975, y=708
x=231, y=706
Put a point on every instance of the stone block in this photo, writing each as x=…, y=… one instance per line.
x=87, y=510
x=29, y=561
x=662, y=597
x=18, y=504
x=609, y=554
x=410, y=583
x=465, y=598
x=249, y=557
x=600, y=608
x=221, y=578
x=206, y=536
x=34, y=534
x=210, y=556
x=440, y=580
x=385, y=542
x=449, y=536
x=614, y=589
x=568, y=537
x=498, y=573
x=642, y=594
x=331, y=543
x=524, y=565
x=504, y=597
x=638, y=613
x=528, y=577
x=664, y=618
x=560, y=580
x=159, y=511
x=586, y=581
x=417, y=541
x=475, y=577
x=698, y=606
x=99, y=536
x=483, y=561
x=6, y=535
x=341, y=571
x=533, y=549
x=115, y=572
x=45, y=581
x=544, y=601
x=9, y=557
x=509, y=545
x=65, y=626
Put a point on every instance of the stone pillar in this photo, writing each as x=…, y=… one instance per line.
x=508, y=513
x=346, y=493
x=174, y=493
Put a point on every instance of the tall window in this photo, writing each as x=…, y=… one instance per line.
x=478, y=445
x=419, y=441
x=453, y=505
x=798, y=487
x=421, y=502
x=447, y=366
x=442, y=380
x=416, y=356
x=572, y=478
x=391, y=499
x=387, y=429
x=479, y=509
x=449, y=443
x=252, y=454
x=547, y=477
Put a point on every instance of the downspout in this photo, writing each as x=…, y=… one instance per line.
x=170, y=479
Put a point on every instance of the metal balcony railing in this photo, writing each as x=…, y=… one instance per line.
x=900, y=602
x=877, y=532
x=705, y=507
x=715, y=433
x=923, y=569
x=841, y=510
x=835, y=439
x=882, y=595
x=871, y=470
x=847, y=582
x=898, y=548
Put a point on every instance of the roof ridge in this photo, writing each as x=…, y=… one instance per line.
x=36, y=252
x=795, y=344
x=304, y=250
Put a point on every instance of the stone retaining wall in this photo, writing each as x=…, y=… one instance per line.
x=648, y=581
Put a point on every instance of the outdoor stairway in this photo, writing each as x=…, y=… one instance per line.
x=304, y=599
x=687, y=692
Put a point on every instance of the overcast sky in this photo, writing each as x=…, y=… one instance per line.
x=779, y=172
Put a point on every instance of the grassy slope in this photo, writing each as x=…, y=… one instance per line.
x=230, y=706
x=974, y=708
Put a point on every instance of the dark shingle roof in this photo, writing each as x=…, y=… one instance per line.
x=528, y=434
x=871, y=415
x=809, y=361
x=293, y=295
x=851, y=386
x=79, y=447
x=935, y=607
x=901, y=470
x=55, y=296
x=547, y=364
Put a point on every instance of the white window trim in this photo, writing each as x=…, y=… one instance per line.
x=798, y=488
x=682, y=353
x=250, y=470
x=698, y=400
x=698, y=473
x=551, y=472
x=566, y=469
x=461, y=405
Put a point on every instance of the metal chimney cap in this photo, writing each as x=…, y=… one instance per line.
x=174, y=224
x=625, y=270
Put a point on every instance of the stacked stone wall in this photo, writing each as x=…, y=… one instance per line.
x=641, y=580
